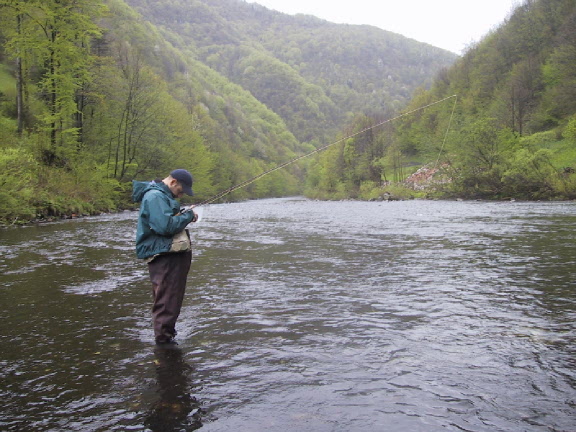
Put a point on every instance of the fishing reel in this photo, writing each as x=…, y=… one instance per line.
x=184, y=210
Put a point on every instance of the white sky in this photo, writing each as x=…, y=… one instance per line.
x=448, y=24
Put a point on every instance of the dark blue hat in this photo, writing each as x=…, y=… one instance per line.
x=185, y=179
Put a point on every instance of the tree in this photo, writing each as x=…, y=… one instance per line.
x=560, y=71
x=55, y=36
x=14, y=20
x=522, y=89
x=480, y=152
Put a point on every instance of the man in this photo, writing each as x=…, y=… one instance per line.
x=159, y=223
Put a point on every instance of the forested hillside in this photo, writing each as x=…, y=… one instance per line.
x=316, y=75
x=95, y=93
x=508, y=132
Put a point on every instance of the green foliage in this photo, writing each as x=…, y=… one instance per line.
x=18, y=183
x=85, y=190
x=368, y=156
x=128, y=105
x=53, y=37
x=530, y=175
x=324, y=178
x=7, y=131
x=30, y=190
x=310, y=72
x=570, y=130
x=7, y=93
x=512, y=131
x=94, y=94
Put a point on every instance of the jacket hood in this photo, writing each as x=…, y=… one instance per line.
x=139, y=189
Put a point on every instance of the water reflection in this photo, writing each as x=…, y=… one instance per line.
x=175, y=409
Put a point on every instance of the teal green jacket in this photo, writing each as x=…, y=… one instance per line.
x=159, y=219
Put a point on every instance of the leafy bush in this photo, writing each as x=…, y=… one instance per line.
x=530, y=175
x=18, y=171
x=83, y=190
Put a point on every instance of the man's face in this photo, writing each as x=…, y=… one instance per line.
x=176, y=188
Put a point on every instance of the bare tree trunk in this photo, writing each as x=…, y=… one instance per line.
x=53, y=98
x=19, y=83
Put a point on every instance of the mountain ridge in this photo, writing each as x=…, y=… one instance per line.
x=336, y=70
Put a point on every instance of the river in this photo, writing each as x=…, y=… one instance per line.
x=299, y=316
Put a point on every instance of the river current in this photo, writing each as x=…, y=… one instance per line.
x=299, y=316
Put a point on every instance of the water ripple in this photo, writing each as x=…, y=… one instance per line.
x=299, y=315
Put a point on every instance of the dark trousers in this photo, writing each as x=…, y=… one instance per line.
x=168, y=274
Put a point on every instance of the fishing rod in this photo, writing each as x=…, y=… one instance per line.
x=297, y=158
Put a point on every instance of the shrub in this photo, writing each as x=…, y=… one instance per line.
x=18, y=171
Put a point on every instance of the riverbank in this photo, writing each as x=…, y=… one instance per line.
x=63, y=217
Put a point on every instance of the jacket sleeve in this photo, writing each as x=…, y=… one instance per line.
x=162, y=219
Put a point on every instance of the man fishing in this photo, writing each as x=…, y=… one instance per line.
x=163, y=241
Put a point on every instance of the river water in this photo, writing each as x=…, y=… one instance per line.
x=299, y=316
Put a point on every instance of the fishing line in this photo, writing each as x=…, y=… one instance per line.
x=447, y=130
x=318, y=150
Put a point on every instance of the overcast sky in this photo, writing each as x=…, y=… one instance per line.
x=448, y=24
